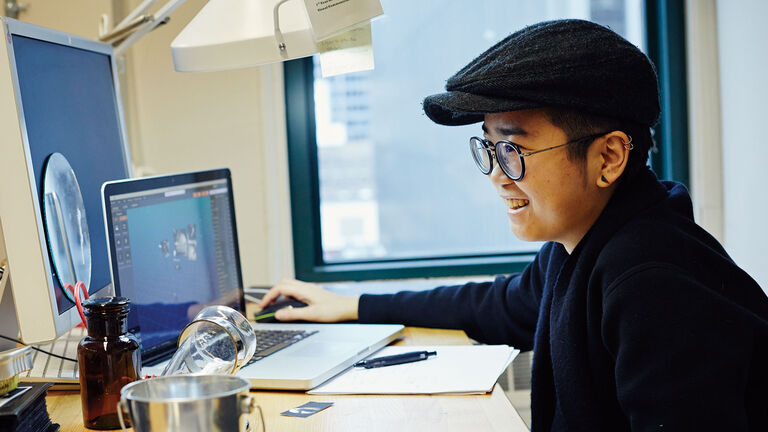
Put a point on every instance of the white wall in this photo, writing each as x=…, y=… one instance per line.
x=743, y=62
x=79, y=17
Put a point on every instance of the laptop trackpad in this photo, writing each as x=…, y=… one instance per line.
x=317, y=349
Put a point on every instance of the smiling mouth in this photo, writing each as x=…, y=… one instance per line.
x=516, y=204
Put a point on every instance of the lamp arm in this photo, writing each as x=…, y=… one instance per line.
x=136, y=13
x=140, y=24
x=118, y=34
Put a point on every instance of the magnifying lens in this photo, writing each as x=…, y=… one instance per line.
x=66, y=226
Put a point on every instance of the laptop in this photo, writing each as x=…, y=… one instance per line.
x=173, y=250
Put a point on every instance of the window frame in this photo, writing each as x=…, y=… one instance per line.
x=666, y=47
x=665, y=30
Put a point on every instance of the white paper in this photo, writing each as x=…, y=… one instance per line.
x=328, y=17
x=457, y=369
x=351, y=51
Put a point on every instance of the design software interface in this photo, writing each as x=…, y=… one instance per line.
x=175, y=252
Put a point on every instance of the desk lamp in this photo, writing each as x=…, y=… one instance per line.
x=233, y=34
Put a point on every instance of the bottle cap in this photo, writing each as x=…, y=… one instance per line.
x=106, y=305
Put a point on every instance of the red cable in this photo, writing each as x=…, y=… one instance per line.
x=76, y=290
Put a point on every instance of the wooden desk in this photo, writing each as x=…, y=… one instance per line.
x=491, y=412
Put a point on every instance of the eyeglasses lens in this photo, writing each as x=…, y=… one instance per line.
x=509, y=159
x=481, y=155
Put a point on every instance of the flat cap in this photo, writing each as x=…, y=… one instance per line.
x=566, y=63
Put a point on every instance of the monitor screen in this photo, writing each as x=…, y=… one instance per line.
x=174, y=252
x=69, y=105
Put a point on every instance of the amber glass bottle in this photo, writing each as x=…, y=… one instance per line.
x=108, y=358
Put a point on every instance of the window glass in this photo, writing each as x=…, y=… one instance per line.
x=394, y=185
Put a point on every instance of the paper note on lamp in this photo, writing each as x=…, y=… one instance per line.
x=234, y=34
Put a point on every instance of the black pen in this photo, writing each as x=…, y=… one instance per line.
x=395, y=359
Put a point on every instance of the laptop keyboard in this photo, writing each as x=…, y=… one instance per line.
x=64, y=373
x=270, y=341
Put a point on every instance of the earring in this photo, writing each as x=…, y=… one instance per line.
x=605, y=180
x=628, y=145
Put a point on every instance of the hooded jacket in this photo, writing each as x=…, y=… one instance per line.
x=647, y=326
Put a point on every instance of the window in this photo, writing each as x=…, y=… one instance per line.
x=377, y=189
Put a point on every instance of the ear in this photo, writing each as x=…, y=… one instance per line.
x=614, y=151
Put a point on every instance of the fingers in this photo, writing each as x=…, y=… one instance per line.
x=322, y=305
x=269, y=297
x=293, y=314
x=273, y=293
x=331, y=309
x=291, y=288
x=307, y=313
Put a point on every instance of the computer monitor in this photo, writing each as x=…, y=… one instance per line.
x=59, y=93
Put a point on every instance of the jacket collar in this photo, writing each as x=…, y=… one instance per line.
x=632, y=196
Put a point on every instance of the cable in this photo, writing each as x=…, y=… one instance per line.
x=76, y=290
x=37, y=349
x=2, y=270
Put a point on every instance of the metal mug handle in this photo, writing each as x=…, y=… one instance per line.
x=248, y=405
x=122, y=406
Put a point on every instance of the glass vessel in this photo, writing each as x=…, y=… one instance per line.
x=108, y=358
x=220, y=340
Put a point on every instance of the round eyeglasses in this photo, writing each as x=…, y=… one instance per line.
x=508, y=154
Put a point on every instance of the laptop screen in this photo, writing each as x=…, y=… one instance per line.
x=173, y=251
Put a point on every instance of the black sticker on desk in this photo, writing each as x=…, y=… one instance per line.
x=307, y=409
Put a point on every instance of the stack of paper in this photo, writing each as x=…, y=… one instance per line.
x=459, y=369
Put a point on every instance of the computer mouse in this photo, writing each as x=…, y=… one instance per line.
x=267, y=315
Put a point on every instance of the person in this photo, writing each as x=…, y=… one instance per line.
x=637, y=317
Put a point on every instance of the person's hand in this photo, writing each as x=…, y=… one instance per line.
x=322, y=305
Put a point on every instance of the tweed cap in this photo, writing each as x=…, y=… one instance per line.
x=566, y=63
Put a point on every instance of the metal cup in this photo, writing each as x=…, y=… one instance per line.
x=188, y=403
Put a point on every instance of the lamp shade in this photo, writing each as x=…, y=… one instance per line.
x=233, y=34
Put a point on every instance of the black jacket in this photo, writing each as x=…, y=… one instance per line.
x=647, y=326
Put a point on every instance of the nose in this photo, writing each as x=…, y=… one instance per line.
x=497, y=176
